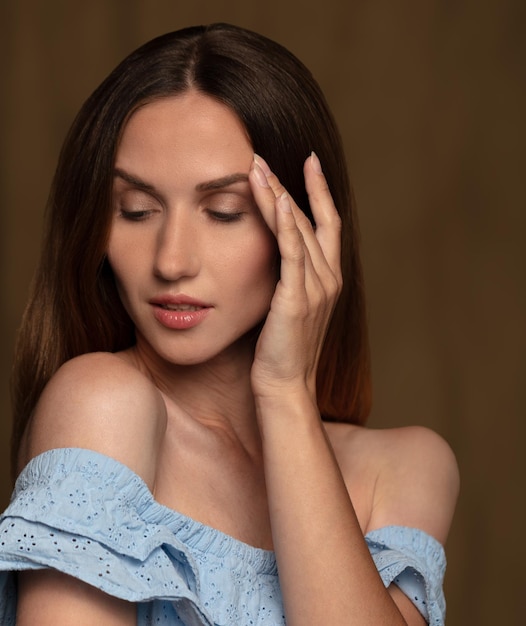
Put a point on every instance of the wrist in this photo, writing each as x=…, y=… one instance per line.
x=284, y=394
x=280, y=389
x=288, y=404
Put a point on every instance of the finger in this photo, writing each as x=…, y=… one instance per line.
x=272, y=179
x=267, y=190
x=302, y=221
x=292, y=251
x=302, y=287
x=298, y=274
x=319, y=275
x=263, y=194
x=280, y=216
x=326, y=217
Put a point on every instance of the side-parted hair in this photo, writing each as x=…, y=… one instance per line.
x=74, y=307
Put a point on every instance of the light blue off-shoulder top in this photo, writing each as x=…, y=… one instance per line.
x=89, y=516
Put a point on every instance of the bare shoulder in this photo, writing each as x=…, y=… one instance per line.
x=102, y=402
x=414, y=472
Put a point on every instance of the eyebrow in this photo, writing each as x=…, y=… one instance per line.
x=224, y=181
x=133, y=180
x=210, y=185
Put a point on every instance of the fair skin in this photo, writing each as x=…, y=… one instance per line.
x=233, y=437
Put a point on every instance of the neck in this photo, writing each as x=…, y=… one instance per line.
x=217, y=394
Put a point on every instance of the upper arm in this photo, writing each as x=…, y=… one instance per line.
x=48, y=597
x=100, y=402
x=418, y=488
x=418, y=484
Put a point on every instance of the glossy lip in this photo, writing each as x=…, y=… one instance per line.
x=179, y=320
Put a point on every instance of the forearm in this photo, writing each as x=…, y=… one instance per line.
x=326, y=572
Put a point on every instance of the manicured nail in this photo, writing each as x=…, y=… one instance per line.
x=260, y=175
x=284, y=203
x=262, y=164
x=315, y=162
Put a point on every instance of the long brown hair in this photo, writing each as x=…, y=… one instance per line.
x=74, y=307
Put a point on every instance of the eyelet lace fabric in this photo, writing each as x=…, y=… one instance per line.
x=91, y=517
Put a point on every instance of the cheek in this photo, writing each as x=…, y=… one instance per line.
x=126, y=254
x=115, y=262
x=261, y=265
x=123, y=263
x=248, y=269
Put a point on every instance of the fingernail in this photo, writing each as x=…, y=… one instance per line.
x=284, y=203
x=315, y=162
x=260, y=176
x=262, y=164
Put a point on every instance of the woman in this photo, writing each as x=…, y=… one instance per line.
x=192, y=374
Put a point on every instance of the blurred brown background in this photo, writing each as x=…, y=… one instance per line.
x=430, y=97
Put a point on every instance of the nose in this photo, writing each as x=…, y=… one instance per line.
x=176, y=254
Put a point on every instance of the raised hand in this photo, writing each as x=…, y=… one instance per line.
x=310, y=281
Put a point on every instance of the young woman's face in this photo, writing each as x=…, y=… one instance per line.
x=194, y=262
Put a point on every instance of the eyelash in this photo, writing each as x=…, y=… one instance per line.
x=216, y=216
x=225, y=218
x=134, y=216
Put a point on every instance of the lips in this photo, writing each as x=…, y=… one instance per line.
x=180, y=307
x=179, y=312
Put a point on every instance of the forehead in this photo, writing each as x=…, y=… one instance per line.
x=189, y=122
x=180, y=141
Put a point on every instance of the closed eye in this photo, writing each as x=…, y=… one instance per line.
x=135, y=216
x=220, y=216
